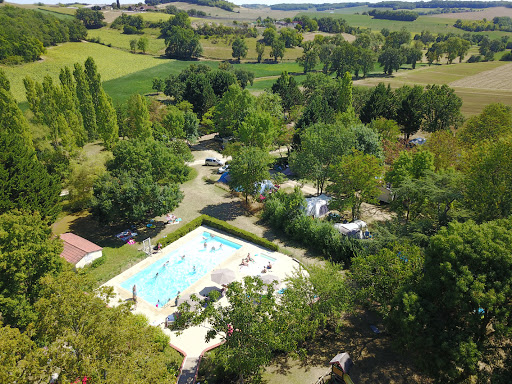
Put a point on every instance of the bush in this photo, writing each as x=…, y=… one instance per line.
x=506, y=57
x=286, y=212
x=217, y=224
x=475, y=59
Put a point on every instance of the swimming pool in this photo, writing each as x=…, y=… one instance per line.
x=161, y=281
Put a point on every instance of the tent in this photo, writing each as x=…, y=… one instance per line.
x=225, y=178
x=317, y=206
x=354, y=229
x=265, y=186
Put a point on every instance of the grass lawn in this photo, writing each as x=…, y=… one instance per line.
x=116, y=260
x=112, y=63
x=117, y=39
x=220, y=49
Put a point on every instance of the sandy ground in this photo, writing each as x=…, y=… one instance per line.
x=310, y=36
x=487, y=13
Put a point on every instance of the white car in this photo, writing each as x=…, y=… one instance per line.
x=213, y=161
x=223, y=169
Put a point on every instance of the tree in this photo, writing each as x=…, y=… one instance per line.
x=12, y=121
x=70, y=309
x=277, y=50
x=446, y=149
x=442, y=108
x=286, y=87
x=133, y=45
x=259, y=129
x=260, y=50
x=414, y=166
x=387, y=129
x=24, y=182
x=91, y=19
x=220, y=81
x=494, y=122
x=460, y=308
x=489, y=179
x=412, y=56
x=343, y=59
x=320, y=146
x=269, y=36
x=182, y=43
x=355, y=179
x=365, y=61
x=85, y=100
x=4, y=81
x=149, y=158
x=379, y=104
x=382, y=276
x=106, y=119
x=308, y=60
x=138, y=124
x=28, y=252
x=391, y=60
x=248, y=168
x=143, y=44
x=71, y=106
x=410, y=111
x=199, y=92
x=124, y=198
x=256, y=324
x=239, y=48
x=232, y=109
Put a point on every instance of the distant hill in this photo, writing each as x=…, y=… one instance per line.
x=222, y=4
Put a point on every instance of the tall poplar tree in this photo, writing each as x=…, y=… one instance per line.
x=138, y=124
x=86, y=102
x=71, y=107
x=107, y=120
x=12, y=121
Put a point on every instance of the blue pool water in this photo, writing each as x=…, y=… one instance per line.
x=176, y=274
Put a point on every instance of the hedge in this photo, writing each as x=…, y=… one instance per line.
x=217, y=224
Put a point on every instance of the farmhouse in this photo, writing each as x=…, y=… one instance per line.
x=79, y=251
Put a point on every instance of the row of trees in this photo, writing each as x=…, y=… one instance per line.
x=76, y=111
x=180, y=38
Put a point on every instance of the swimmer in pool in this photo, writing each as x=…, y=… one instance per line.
x=156, y=275
x=183, y=257
x=213, y=249
x=205, y=245
x=194, y=268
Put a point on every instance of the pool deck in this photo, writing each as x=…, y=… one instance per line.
x=191, y=342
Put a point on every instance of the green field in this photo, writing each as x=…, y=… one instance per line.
x=433, y=24
x=112, y=64
x=117, y=39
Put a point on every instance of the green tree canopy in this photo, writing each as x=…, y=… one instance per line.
x=457, y=317
x=248, y=168
x=24, y=182
x=239, y=48
x=355, y=179
x=138, y=124
x=91, y=19
x=494, y=122
x=442, y=108
x=28, y=252
x=320, y=146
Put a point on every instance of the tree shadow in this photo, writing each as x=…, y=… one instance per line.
x=228, y=211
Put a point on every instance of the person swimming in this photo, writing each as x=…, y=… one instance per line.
x=183, y=257
x=194, y=268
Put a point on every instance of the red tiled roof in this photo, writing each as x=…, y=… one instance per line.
x=76, y=247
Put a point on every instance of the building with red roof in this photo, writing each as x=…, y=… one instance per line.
x=79, y=251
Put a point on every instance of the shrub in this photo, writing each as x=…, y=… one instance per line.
x=506, y=57
x=475, y=59
x=217, y=224
x=286, y=212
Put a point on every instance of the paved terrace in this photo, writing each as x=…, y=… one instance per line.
x=191, y=343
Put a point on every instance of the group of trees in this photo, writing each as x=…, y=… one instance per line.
x=393, y=15
x=25, y=33
x=92, y=19
x=499, y=23
x=201, y=86
x=44, y=304
x=130, y=24
x=76, y=111
x=181, y=39
x=222, y=4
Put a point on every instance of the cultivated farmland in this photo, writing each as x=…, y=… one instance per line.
x=497, y=78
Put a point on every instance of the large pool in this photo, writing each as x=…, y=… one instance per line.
x=161, y=281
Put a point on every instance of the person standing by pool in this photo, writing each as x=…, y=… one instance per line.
x=205, y=245
x=177, y=298
x=134, y=291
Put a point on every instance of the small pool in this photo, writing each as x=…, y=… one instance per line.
x=161, y=281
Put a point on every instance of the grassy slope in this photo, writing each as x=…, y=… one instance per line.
x=118, y=39
x=112, y=64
